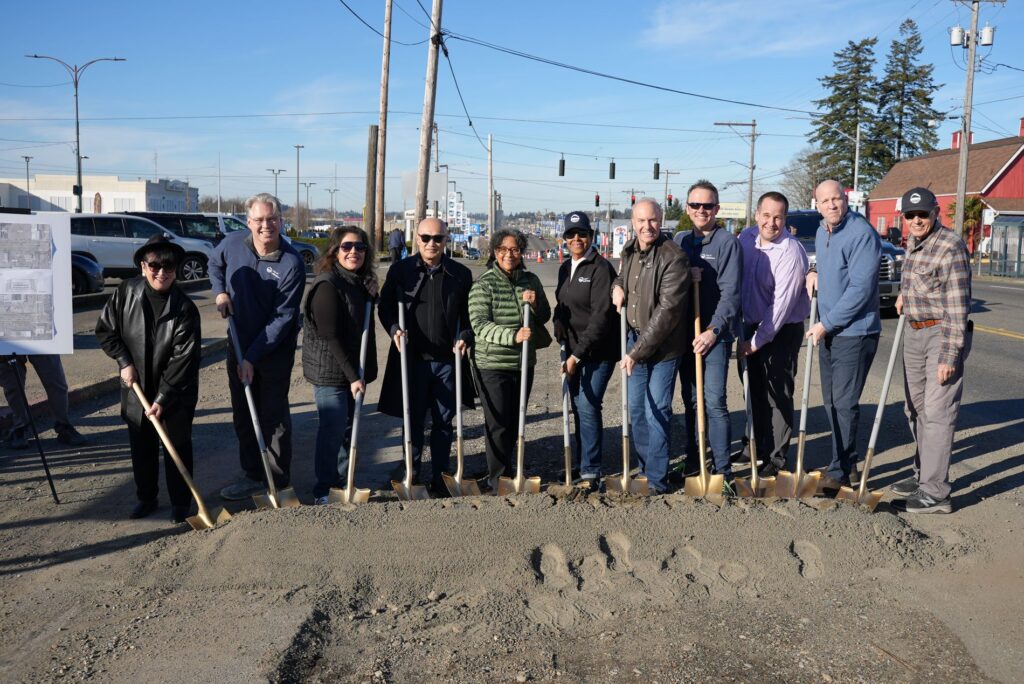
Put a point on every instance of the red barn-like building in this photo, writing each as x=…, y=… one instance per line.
x=995, y=172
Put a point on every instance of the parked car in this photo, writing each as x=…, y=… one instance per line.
x=890, y=270
x=86, y=275
x=198, y=226
x=111, y=241
x=472, y=253
x=309, y=253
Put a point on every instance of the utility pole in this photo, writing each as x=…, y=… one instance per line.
x=295, y=223
x=218, y=182
x=427, y=122
x=334, y=215
x=750, y=167
x=28, y=193
x=369, y=204
x=667, y=174
x=309, y=207
x=385, y=68
x=490, y=184
x=437, y=167
x=276, y=173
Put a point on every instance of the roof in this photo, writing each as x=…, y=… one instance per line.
x=937, y=170
x=1005, y=205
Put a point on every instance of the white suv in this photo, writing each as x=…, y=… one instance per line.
x=111, y=241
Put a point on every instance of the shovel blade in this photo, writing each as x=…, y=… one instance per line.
x=219, y=517
x=869, y=500
x=638, y=486
x=508, y=486
x=765, y=488
x=410, y=493
x=789, y=486
x=461, y=487
x=342, y=496
x=708, y=486
x=286, y=498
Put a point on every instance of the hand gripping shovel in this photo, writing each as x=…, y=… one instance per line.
x=206, y=518
x=801, y=485
x=274, y=498
x=567, y=488
x=350, y=494
x=456, y=485
x=521, y=484
x=407, y=491
x=862, y=496
x=626, y=485
x=703, y=484
x=756, y=487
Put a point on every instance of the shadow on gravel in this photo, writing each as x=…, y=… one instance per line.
x=9, y=566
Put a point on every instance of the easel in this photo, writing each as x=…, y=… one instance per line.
x=12, y=361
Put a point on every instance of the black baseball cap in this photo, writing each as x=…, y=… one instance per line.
x=576, y=222
x=918, y=199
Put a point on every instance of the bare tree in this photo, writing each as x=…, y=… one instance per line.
x=802, y=175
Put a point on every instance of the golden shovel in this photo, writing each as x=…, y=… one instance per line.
x=206, y=518
x=567, y=488
x=521, y=484
x=407, y=491
x=756, y=487
x=457, y=486
x=801, y=485
x=638, y=485
x=703, y=484
x=862, y=496
x=350, y=494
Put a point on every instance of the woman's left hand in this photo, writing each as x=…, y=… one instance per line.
x=530, y=297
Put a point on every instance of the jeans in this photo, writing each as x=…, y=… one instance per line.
x=335, y=409
x=51, y=374
x=586, y=392
x=844, y=363
x=650, y=389
x=432, y=388
x=716, y=370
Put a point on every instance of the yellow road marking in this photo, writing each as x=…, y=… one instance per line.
x=999, y=331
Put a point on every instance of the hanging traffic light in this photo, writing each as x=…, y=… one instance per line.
x=670, y=199
x=657, y=169
x=632, y=200
x=597, y=201
x=611, y=170
x=561, y=166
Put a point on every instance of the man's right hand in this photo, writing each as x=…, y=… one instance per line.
x=357, y=387
x=398, y=336
x=129, y=376
x=812, y=283
x=899, y=305
x=224, y=307
x=618, y=297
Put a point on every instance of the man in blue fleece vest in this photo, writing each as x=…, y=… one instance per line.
x=848, y=253
x=258, y=279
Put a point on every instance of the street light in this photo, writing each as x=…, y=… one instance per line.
x=297, y=148
x=76, y=74
x=334, y=216
x=28, y=194
x=309, y=207
x=276, y=173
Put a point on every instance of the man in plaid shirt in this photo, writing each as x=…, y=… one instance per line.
x=935, y=296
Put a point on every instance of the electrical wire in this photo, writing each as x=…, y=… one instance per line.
x=364, y=23
x=25, y=85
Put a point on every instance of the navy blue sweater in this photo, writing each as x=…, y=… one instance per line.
x=847, y=261
x=721, y=262
x=265, y=292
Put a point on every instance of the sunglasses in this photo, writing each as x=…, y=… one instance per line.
x=706, y=206
x=577, y=234
x=911, y=215
x=349, y=246
x=436, y=239
x=165, y=266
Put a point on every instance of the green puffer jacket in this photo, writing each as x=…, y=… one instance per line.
x=496, y=314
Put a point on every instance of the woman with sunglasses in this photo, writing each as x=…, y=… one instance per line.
x=151, y=328
x=496, y=315
x=335, y=311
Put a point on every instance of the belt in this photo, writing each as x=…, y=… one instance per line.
x=919, y=325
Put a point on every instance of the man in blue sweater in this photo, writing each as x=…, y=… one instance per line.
x=848, y=253
x=258, y=279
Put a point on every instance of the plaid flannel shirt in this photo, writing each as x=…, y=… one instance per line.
x=937, y=286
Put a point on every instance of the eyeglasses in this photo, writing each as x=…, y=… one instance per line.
x=706, y=206
x=585, y=234
x=436, y=239
x=349, y=246
x=911, y=215
x=270, y=220
x=157, y=266
x=514, y=251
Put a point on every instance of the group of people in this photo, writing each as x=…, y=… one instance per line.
x=684, y=301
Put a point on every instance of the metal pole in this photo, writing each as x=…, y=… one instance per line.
x=28, y=192
x=296, y=221
x=276, y=173
x=427, y=122
x=218, y=182
x=965, y=129
x=334, y=216
x=490, y=184
x=750, y=183
x=856, y=158
x=385, y=68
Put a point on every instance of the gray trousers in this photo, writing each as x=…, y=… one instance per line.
x=931, y=408
x=51, y=374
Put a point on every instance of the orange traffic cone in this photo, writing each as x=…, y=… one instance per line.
x=540, y=259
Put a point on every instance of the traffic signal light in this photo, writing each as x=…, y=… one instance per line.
x=657, y=170
x=670, y=200
x=597, y=201
x=561, y=166
x=632, y=200
x=611, y=170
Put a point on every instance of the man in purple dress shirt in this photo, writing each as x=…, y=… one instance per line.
x=775, y=304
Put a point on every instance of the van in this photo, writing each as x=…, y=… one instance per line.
x=111, y=241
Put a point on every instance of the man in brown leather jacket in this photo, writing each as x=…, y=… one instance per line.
x=653, y=284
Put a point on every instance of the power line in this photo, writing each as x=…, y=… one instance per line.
x=448, y=59
x=364, y=23
x=26, y=85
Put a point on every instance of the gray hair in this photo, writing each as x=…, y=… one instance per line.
x=499, y=235
x=654, y=203
x=263, y=198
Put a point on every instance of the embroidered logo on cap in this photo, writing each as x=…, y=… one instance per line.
x=915, y=198
x=574, y=218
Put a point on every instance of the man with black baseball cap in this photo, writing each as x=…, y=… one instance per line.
x=584, y=323
x=935, y=296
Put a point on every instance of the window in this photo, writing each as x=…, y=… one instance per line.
x=231, y=223
x=881, y=225
x=142, y=229
x=108, y=226
x=81, y=226
x=204, y=229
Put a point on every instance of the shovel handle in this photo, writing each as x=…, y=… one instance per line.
x=363, y=343
x=876, y=426
x=752, y=444
x=806, y=390
x=458, y=418
x=165, y=438
x=256, y=427
x=522, y=398
x=698, y=364
x=406, y=428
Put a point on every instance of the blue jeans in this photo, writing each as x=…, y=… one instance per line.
x=432, y=388
x=650, y=390
x=335, y=408
x=586, y=392
x=716, y=371
x=844, y=362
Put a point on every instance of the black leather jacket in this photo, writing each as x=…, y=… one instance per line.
x=167, y=361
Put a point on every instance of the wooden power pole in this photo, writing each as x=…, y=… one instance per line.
x=382, y=140
x=369, y=205
x=427, y=122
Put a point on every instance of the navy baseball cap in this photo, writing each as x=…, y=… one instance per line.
x=576, y=222
x=918, y=199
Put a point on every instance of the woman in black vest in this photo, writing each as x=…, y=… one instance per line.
x=335, y=310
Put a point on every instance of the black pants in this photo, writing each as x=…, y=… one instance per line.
x=145, y=446
x=271, y=379
x=772, y=370
x=499, y=395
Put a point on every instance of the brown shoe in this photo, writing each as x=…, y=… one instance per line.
x=830, y=484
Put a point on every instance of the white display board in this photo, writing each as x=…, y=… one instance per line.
x=35, y=283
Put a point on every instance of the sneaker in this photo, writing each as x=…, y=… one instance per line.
x=768, y=469
x=919, y=502
x=67, y=434
x=17, y=439
x=905, y=487
x=321, y=501
x=242, y=490
x=179, y=514
x=142, y=509
x=729, y=486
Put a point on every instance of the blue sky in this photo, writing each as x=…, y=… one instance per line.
x=293, y=60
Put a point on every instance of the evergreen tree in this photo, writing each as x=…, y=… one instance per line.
x=675, y=210
x=905, y=101
x=852, y=98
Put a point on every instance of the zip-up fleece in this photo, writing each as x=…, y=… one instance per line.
x=847, y=263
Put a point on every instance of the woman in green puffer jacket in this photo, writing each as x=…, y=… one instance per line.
x=496, y=316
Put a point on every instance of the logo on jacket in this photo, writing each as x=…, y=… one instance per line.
x=271, y=272
x=583, y=279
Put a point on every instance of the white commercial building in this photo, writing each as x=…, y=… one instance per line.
x=100, y=194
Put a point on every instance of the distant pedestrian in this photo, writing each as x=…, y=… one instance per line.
x=335, y=314
x=775, y=305
x=653, y=285
x=152, y=329
x=586, y=324
x=935, y=296
x=396, y=245
x=847, y=252
x=50, y=370
x=258, y=278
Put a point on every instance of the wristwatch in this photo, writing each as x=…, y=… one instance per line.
x=716, y=330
